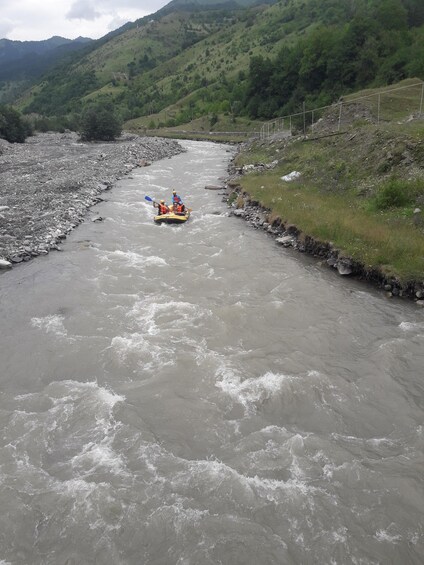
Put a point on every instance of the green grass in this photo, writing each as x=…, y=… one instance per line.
x=362, y=235
x=224, y=130
x=342, y=198
x=396, y=101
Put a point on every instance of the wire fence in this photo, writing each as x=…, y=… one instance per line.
x=388, y=105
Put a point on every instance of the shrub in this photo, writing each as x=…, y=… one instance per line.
x=395, y=193
x=99, y=123
x=13, y=127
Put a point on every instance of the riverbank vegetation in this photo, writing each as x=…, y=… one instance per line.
x=362, y=190
x=13, y=126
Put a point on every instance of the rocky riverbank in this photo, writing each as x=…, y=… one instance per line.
x=48, y=183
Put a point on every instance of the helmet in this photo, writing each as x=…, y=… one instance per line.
x=162, y=201
x=174, y=192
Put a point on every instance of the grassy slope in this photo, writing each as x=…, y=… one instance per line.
x=341, y=178
x=223, y=49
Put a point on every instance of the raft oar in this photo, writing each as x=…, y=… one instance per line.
x=150, y=200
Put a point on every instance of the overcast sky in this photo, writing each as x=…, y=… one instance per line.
x=28, y=20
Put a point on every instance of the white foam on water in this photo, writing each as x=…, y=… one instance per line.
x=74, y=488
x=220, y=480
x=217, y=254
x=134, y=259
x=74, y=427
x=108, y=397
x=385, y=536
x=155, y=317
x=252, y=391
x=340, y=535
x=181, y=517
x=146, y=354
x=97, y=457
x=411, y=326
x=330, y=469
x=79, y=389
x=372, y=442
x=154, y=260
x=51, y=325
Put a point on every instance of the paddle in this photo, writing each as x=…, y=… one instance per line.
x=150, y=200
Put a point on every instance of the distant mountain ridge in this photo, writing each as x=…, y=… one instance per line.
x=21, y=62
x=204, y=4
x=13, y=49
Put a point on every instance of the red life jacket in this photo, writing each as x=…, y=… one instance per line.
x=180, y=208
x=163, y=209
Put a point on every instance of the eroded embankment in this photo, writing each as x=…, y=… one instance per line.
x=289, y=235
x=48, y=183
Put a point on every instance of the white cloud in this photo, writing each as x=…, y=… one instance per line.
x=27, y=20
x=82, y=10
x=6, y=26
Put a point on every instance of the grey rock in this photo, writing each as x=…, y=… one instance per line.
x=4, y=264
x=48, y=183
x=286, y=240
x=344, y=267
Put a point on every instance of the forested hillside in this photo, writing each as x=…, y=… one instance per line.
x=353, y=45
x=21, y=62
x=261, y=60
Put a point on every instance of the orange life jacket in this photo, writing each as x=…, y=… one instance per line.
x=163, y=209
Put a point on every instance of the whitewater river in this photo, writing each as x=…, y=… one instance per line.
x=197, y=395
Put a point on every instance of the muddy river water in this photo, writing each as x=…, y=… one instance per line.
x=197, y=395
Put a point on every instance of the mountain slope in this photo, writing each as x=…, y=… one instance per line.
x=185, y=62
x=155, y=61
x=21, y=62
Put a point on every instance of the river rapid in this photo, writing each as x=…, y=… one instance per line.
x=197, y=395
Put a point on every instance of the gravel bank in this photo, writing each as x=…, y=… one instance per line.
x=48, y=183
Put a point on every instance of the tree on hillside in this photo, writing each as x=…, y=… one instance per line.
x=99, y=123
x=13, y=127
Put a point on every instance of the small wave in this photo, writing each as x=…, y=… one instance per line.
x=154, y=260
x=97, y=457
x=79, y=389
x=155, y=317
x=74, y=426
x=145, y=354
x=136, y=259
x=253, y=390
x=218, y=478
